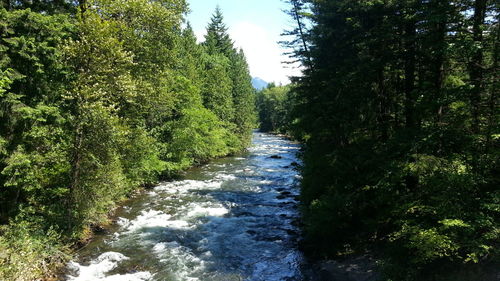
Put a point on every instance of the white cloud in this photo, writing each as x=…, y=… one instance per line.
x=264, y=54
x=200, y=35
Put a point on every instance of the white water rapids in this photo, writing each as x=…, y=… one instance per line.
x=233, y=219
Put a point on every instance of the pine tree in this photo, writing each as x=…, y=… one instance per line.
x=217, y=39
x=243, y=97
x=299, y=42
x=217, y=87
x=393, y=114
x=227, y=91
x=98, y=98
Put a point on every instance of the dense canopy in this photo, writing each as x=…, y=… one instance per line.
x=398, y=110
x=98, y=98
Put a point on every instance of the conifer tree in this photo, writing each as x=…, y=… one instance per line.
x=217, y=39
x=393, y=112
x=217, y=87
x=243, y=97
x=98, y=98
x=232, y=99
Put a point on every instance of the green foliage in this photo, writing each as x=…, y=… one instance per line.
x=396, y=111
x=31, y=47
x=275, y=106
x=97, y=102
x=217, y=89
x=197, y=137
x=27, y=252
x=227, y=88
x=243, y=98
x=196, y=134
x=42, y=6
x=103, y=85
x=143, y=166
x=33, y=165
x=217, y=40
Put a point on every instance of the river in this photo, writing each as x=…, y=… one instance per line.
x=232, y=219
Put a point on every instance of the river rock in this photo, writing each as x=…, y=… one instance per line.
x=241, y=220
x=361, y=268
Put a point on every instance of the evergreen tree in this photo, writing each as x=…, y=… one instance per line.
x=217, y=89
x=190, y=56
x=243, y=97
x=393, y=109
x=299, y=41
x=217, y=39
x=228, y=91
x=98, y=98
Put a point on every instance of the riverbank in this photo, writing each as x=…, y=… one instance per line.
x=27, y=255
x=91, y=109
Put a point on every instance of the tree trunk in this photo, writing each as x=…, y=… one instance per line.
x=410, y=33
x=83, y=6
x=383, y=105
x=493, y=98
x=296, y=14
x=476, y=65
x=439, y=58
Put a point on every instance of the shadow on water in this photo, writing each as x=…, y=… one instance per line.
x=232, y=219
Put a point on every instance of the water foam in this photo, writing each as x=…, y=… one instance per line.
x=225, y=177
x=214, y=211
x=103, y=264
x=185, y=186
x=179, y=259
x=153, y=218
x=197, y=230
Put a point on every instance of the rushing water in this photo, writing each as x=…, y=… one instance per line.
x=233, y=219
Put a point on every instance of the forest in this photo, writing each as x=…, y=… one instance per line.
x=98, y=98
x=396, y=109
x=398, y=112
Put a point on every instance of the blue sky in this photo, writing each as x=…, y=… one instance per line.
x=255, y=26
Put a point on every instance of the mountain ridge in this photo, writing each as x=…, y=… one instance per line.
x=259, y=83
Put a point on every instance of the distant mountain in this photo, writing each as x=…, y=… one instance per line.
x=258, y=83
